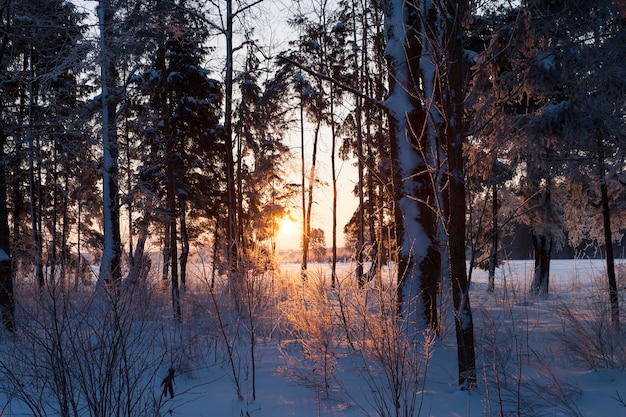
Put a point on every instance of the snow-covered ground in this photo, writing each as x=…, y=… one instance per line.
x=547, y=356
x=537, y=375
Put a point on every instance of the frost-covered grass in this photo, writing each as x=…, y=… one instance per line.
x=267, y=343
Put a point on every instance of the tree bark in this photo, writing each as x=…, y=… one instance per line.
x=608, y=238
x=140, y=264
x=184, y=244
x=172, y=185
x=7, y=300
x=419, y=259
x=493, y=251
x=542, y=247
x=359, y=155
x=110, y=268
x=305, y=236
x=231, y=198
x=333, y=169
x=165, y=270
x=456, y=193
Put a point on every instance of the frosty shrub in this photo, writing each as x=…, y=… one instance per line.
x=240, y=306
x=587, y=335
x=73, y=356
x=516, y=380
x=310, y=331
x=393, y=364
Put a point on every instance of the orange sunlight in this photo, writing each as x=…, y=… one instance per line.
x=288, y=226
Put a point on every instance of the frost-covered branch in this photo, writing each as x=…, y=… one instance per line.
x=339, y=84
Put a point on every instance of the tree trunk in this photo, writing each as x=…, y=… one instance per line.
x=173, y=239
x=110, y=267
x=65, y=228
x=359, y=156
x=241, y=240
x=542, y=247
x=140, y=266
x=53, y=219
x=493, y=251
x=608, y=238
x=165, y=271
x=374, y=213
x=34, y=180
x=184, y=244
x=419, y=259
x=171, y=186
x=311, y=187
x=231, y=198
x=456, y=195
x=216, y=247
x=305, y=236
x=35, y=216
x=7, y=300
x=333, y=169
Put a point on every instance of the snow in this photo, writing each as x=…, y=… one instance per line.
x=298, y=78
x=399, y=105
x=547, y=61
x=3, y=256
x=338, y=27
x=173, y=76
x=524, y=367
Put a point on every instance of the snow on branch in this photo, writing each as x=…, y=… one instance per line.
x=339, y=84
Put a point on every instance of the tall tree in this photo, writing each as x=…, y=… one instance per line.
x=259, y=127
x=7, y=301
x=181, y=172
x=110, y=267
x=544, y=85
x=419, y=263
x=456, y=78
x=425, y=45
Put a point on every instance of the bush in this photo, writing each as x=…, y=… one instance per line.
x=74, y=355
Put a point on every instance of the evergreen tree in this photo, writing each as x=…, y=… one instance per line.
x=182, y=107
x=533, y=88
x=259, y=127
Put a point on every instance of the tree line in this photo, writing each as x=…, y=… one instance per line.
x=169, y=118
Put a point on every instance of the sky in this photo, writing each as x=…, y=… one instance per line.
x=274, y=31
x=279, y=33
x=322, y=215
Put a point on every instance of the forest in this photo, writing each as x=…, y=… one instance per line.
x=148, y=151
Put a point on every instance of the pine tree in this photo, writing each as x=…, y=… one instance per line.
x=538, y=78
x=182, y=171
x=259, y=127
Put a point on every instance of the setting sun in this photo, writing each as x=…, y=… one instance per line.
x=288, y=226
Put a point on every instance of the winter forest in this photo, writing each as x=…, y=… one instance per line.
x=152, y=150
